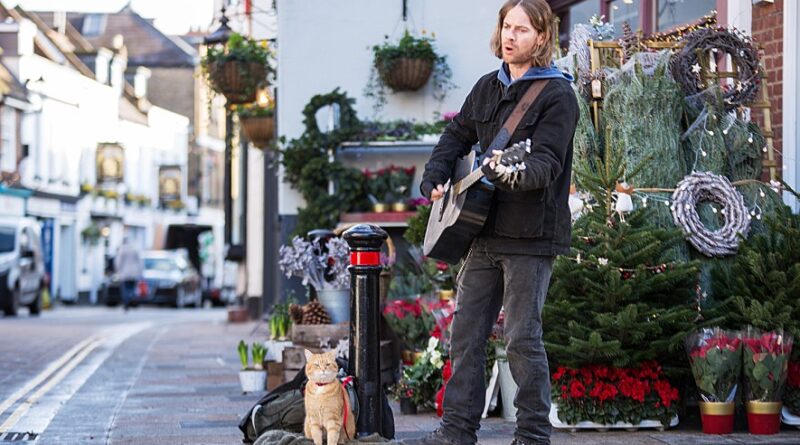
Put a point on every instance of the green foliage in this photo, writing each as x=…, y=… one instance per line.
x=386, y=55
x=643, y=115
x=618, y=300
x=415, y=233
x=399, y=130
x=309, y=169
x=243, y=356
x=259, y=352
x=762, y=283
x=253, y=110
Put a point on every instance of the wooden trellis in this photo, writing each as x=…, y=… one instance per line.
x=610, y=54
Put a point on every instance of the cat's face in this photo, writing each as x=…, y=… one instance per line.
x=321, y=368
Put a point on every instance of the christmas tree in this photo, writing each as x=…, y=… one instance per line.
x=616, y=299
x=763, y=281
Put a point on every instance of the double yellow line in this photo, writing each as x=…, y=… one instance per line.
x=51, y=376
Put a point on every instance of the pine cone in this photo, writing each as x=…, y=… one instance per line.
x=296, y=313
x=315, y=313
x=629, y=41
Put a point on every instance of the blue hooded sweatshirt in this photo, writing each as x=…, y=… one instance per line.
x=534, y=72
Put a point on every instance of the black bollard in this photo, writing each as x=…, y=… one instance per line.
x=365, y=242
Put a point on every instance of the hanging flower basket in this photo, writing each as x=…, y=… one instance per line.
x=259, y=130
x=237, y=81
x=237, y=70
x=406, y=74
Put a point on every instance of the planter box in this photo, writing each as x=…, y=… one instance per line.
x=587, y=425
x=314, y=334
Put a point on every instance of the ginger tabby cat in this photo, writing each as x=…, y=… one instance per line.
x=327, y=403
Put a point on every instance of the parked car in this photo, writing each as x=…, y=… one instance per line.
x=169, y=278
x=21, y=265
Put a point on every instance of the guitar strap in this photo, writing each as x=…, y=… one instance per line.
x=503, y=137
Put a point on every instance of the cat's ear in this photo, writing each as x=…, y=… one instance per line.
x=309, y=354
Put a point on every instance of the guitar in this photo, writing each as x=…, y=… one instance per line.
x=458, y=216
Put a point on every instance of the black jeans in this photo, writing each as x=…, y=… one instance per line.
x=487, y=282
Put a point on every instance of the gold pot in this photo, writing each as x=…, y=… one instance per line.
x=758, y=407
x=380, y=207
x=399, y=207
x=717, y=408
x=446, y=295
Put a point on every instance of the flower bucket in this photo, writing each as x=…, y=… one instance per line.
x=764, y=417
x=259, y=130
x=337, y=303
x=508, y=390
x=252, y=380
x=407, y=74
x=717, y=417
x=407, y=406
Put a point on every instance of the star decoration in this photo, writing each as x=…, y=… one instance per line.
x=696, y=68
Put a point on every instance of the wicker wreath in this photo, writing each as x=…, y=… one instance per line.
x=706, y=186
x=686, y=68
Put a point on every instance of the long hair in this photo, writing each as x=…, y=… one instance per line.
x=541, y=17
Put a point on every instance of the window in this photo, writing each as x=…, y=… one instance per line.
x=8, y=139
x=621, y=11
x=579, y=12
x=674, y=13
x=93, y=25
x=7, y=235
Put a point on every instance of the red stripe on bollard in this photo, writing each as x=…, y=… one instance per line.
x=365, y=258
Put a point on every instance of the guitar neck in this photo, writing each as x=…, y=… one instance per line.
x=468, y=181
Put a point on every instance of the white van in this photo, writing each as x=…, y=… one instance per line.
x=21, y=265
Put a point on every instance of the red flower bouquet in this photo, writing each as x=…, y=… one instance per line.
x=716, y=359
x=410, y=320
x=607, y=395
x=766, y=362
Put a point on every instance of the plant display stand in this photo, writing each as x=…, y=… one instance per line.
x=587, y=425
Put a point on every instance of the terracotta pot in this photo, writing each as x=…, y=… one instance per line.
x=717, y=417
x=406, y=74
x=237, y=81
x=764, y=417
x=259, y=130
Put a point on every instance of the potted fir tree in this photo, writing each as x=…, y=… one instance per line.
x=252, y=378
x=237, y=69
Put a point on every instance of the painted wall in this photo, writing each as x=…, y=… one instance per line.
x=325, y=44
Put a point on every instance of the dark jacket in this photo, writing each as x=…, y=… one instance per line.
x=534, y=220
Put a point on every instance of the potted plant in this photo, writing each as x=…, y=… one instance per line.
x=258, y=123
x=325, y=268
x=602, y=396
x=412, y=322
x=403, y=392
x=715, y=356
x=237, y=69
x=766, y=361
x=791, y=400
x=423, y=378
x=252, y=378
x=280, y=321
x=407, y=65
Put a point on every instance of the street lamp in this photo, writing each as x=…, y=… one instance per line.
x=235, y=251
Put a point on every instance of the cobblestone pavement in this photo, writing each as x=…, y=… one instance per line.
x=79, y=375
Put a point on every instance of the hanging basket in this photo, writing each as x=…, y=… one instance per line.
x=406, y=74
x=259, y=130
x=237, y=81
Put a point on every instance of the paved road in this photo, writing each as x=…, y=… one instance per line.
x=80, y=375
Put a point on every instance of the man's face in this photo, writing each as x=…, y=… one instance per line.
x=518, y=37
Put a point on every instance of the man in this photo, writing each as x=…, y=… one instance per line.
x=128, y=266
x=509, y=264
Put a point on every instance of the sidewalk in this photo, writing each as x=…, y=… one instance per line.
x=178, y=384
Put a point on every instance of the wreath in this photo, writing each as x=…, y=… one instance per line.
x=349, y=124
x=687, y=71
x=705, y=186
